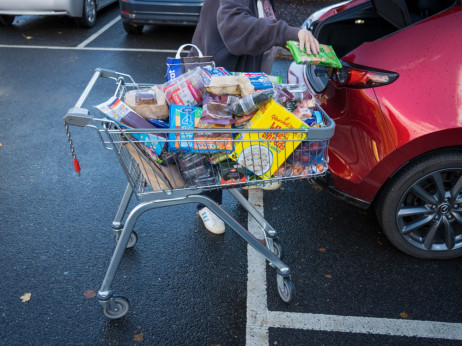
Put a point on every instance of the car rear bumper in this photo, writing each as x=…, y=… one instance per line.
x=152, y=12
x=71, y=8
x=326, y=182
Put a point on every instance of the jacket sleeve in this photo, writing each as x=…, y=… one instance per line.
x=245, y=34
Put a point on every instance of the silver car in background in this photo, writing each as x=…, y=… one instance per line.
x=84, y=11
x=137, y=13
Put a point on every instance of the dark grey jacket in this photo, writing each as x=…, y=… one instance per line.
x=231, y=32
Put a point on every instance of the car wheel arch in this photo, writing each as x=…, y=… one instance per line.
x=410, y=162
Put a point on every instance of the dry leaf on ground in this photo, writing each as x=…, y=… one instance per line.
x=404, y=315
x=26, y=297
x=89, y=294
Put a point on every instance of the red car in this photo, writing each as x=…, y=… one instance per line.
x=397, y=104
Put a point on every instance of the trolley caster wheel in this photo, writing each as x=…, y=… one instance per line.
x=277, y=249
x=116, y=308
x=132, y=241
x=286, y=289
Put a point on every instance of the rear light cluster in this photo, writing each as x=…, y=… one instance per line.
x=361, y=77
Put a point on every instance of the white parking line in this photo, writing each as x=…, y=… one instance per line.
x=148, y=50
x=99, y=32
x=260, y=319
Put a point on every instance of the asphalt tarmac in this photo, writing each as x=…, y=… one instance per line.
x=185, y=285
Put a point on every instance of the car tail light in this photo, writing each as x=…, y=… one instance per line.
x=361, y=77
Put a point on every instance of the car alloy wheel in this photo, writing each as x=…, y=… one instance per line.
x=420, y=210
x=88, y=18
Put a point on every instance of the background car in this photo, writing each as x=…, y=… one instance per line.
x=84, y=11
x=137, y=13
x=397, y=104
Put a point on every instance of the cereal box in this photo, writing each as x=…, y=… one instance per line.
x=264, y=152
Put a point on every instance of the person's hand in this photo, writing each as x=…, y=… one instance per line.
x=308, y=42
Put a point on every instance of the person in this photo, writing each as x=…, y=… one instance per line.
x=242, y=36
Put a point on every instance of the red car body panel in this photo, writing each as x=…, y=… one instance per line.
x=379, y=130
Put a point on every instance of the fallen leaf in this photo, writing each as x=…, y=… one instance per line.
x=89, y=294
x=27, y=37
x=323, y=249
x=139, y=337
x=1, y=144
x=26, y=297
x=404, y=315
x=379, y=242
x=328, y=276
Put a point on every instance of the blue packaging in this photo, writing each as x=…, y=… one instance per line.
x=183, y=117
x=173, y=68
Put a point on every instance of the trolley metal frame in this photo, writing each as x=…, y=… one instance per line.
x=115, y=138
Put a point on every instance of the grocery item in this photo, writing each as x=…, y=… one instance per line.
x=231, y=173
x=263, y=152
x=275, y=79
x=230, y=85
x=326, y=56
x=303, y=109
x=259, y=80
x=185, y=90
x=251, y=103
x=209, y=72
x=216, y=113
x=183, y=117
x=212, y=141
x=115, y=109
x=195, y=169
x=240, y=120
x=149, y=103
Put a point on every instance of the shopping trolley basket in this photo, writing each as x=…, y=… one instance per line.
x=166, y=167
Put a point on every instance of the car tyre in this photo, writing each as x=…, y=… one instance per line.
x=133, y=29
x=420, y=209
x=6, y=20
x=88, y=18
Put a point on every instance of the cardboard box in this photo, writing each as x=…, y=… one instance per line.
x=264, y=152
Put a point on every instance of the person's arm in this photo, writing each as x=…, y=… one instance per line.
x=244, y=34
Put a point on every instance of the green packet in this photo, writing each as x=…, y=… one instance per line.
x=326, y=56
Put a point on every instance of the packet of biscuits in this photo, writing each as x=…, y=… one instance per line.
x=326, y=56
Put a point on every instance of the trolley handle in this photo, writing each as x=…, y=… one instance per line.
x=79, y=116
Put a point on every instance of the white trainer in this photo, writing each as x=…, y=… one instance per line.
x=270, y=185
x=212, y=222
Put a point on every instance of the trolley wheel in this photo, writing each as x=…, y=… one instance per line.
x=121, y=305
x=277, y=249
x=286, y=288
x=132, y=241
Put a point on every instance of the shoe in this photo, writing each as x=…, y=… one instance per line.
x=270, y=185
x=212, y=222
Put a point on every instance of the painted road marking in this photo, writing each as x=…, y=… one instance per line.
x=148, y=50
x=99, y=32
x=260, y=319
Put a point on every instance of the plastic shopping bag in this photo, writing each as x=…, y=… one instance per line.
x=179, y=65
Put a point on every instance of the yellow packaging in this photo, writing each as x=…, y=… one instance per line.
x=263, y=152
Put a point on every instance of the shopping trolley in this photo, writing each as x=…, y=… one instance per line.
x=166, y=167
